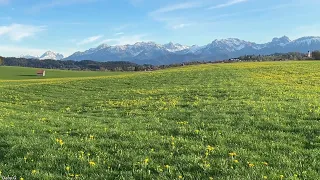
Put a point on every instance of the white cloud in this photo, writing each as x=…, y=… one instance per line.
x=119, y=33
x=175, y=7
x=229, y=3
x=17, y=32
x=179, y=26
x=123, y=40
x=56, y=3
x=90, y=40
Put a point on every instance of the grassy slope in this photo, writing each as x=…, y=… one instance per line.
x=164, y=124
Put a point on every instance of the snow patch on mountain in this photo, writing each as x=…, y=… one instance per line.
x=307, y=40
x=28, y=56
x=175, y=47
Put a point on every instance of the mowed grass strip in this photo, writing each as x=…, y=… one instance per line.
x=216, y=121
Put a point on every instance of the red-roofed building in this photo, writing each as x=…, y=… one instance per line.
x=41, y=73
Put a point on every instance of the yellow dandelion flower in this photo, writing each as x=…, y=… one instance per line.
x=34, y=171
x=180, y=177
x=60, y=141
x=21, y=178
x=251, y=165
x=210, y=148
x=210, y=178
x=281, y=176
x=146, y=161
x=167, y=166
x=265, y=177
x=68, y=168
x=236, y=161
x=265, y=163
x=91, y=137
x=91, y=163
x=197, y=131
x=232, y=154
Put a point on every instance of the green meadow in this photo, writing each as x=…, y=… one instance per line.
x=216, y=121
x=20, y=73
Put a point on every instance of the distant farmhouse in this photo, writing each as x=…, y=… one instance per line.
x=41, y=73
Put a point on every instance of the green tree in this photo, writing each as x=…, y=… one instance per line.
x=1, y=61
x=316, y=55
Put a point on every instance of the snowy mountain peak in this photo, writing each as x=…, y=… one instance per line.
x=101, y=46
x=230, y=44
x=281, y=41
x=171, y=47
x=51, y=55
x=308, y=40
x=150, y=43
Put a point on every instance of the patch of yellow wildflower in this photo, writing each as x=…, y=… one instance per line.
x=60, y=141
x=232, y=154
x=91, y=163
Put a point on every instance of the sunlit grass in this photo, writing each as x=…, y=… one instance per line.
x=215, y=121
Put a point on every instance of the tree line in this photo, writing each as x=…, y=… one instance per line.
x=72, y=65
x=129, y=66
x=277, y=57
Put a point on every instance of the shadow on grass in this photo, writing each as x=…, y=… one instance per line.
x=28, y=75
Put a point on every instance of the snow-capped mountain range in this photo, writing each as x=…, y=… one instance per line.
x=47, y=55
x=157, y=54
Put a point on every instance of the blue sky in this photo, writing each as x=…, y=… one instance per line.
x=65, y=26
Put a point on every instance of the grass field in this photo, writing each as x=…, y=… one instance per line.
x=217, y=121
x=19, y=73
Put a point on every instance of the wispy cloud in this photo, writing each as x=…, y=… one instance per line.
x=180, y=26
x=229, y=3
x=123, y=27
x=260, y=10
x=56, y=3
x=174, y=23
x=123, y=40
x=90, y=40
x=175, y=7
x=119, y=33
x=17, y=32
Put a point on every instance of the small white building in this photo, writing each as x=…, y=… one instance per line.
x=309, y=54
x=41, y=73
